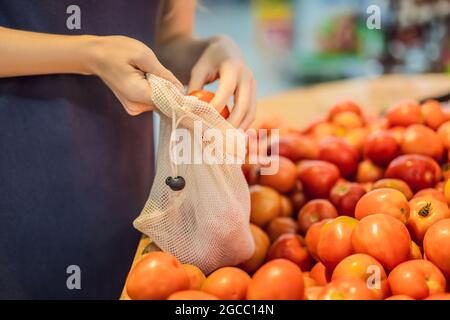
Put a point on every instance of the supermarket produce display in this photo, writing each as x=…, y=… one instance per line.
x=359, y=210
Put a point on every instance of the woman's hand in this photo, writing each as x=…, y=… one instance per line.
x=222, y=59
x=122, y=63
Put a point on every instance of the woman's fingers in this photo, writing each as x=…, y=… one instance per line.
x=228, y=73
x=148, y=63
x=242, y=100
x=251, y=111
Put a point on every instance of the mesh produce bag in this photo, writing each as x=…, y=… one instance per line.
x=206, y=223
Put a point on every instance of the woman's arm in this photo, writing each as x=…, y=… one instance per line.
x=28, y=53
x=202, y=61
x=121, y=62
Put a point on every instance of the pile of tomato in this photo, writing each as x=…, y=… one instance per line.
x=359, y=209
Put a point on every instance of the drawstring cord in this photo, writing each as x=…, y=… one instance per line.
x=175, y=182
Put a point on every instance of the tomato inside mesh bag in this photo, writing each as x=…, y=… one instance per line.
x=206, y=222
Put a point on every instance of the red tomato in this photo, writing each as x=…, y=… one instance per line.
x=207, y=96
x=320, y=274
x=345, y=196
x=281, y=225
x=344, y=106
x=425, y=211
x=400, y=297
x=297, y=147
x=368, y=172
x=317, y=177
x=397, y=184
x=312, y=237
x=284, y=179
x=335, y=241
x=386, y=200
x=227, y=283
x=315, y=211
x=278, y=279
x=290, y=247
x=191, y=295
x=364, y=267
x=156, y=276
x=433, y=114
x=438, y=195
x=196, y=276
x=381, y=147
x=346, y=289
x=383, y=237
x=417, y=279
x=444, y=134
x=419, y=139
x=404, y=114
x=265, y=204
x=418, y=171
x=341, y=153
x=436, y=245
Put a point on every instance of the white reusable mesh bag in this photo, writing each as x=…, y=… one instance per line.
x=207, y=222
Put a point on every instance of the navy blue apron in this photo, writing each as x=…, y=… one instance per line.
x=75, y=169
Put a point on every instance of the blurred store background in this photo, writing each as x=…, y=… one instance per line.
x=289, y=43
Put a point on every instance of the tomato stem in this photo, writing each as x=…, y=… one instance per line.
x=425, y=210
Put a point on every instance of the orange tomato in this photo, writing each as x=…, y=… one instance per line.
x=308, y=281
x=444, y=134
x=415, y=251
x=405, y=113
x=312, y=237
x=419, y=139
x=439, y=296
x=438, y=195
x=385, y=200
x=384, y=238
x=262, y=243
x=417, y=279
x=346, y=289
x=335, y=242
x=207, y=96
x=265, y=204
x=196, y=276
x=364, y=267
x=191, y=295
x=433, y=114
x=155, y=277
x=278, y=279
x=397, y=184
x=227, y=283
x=312, y=293
x=425, y=211
x=286, y=207
x=284, y=179
x=320, y=274
x=436, y=245
x=400, y=297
